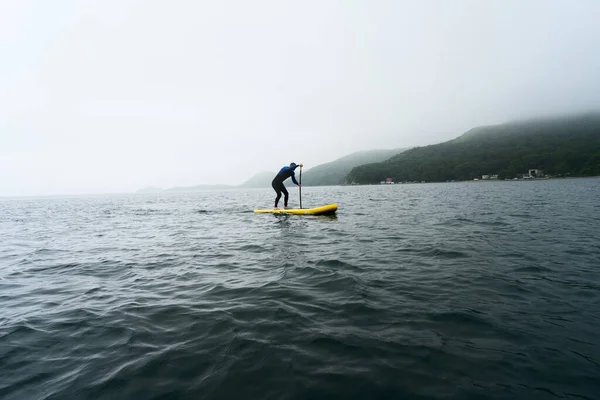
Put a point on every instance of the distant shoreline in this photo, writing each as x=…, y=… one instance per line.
x=258, y=188
x=470, y=180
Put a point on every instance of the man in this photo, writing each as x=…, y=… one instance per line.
x=278, y=185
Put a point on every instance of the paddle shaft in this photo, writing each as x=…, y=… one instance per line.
x=300, y=187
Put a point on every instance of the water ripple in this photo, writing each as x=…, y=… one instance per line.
x=446, y=291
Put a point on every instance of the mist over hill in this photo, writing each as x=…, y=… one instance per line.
x=334, y=172
x=563, y=146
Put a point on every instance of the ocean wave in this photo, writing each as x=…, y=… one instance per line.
x=195, y=296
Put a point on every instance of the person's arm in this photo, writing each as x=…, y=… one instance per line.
x=294, y=178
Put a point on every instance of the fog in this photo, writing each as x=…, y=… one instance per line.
x=112, y=96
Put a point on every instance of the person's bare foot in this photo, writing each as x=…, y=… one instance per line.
x=287, y=208
x=276, y=208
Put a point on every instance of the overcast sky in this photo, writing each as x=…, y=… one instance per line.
x=115, y=95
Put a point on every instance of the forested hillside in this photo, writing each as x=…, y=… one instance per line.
x=558, y=146
x=334, y=172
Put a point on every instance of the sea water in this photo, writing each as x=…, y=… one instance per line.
x=425, y=291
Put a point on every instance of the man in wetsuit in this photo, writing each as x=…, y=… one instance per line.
x=278, y=185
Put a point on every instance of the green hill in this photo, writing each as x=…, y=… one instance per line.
x=559, y=146
x=260, y=180
x=334, y=172
x=331, y=173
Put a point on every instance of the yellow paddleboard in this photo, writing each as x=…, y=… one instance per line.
x=328, y=209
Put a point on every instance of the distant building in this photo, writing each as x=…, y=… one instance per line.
x=489, y=177
x=536, y=173
x=388, y=181
x=533, y=173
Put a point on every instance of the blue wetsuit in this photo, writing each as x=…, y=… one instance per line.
x=278, y=185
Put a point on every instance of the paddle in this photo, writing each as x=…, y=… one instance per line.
x=300, y=187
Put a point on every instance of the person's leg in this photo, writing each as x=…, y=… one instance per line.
x=285, y=194
x=275, y=186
